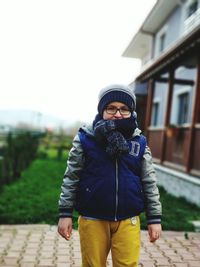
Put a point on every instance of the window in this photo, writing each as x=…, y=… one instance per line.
x=162, y=42
x=192, y=8
x=183, y=104
x=155, y=114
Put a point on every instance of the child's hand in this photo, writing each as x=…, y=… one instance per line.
x=65, y=227
x=154, y=231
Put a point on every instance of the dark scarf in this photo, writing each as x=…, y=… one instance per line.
x=113, y=133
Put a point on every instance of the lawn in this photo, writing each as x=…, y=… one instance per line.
x=34, y=197
x=177, y=213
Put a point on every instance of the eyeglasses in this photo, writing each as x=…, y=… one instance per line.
x=112, y=110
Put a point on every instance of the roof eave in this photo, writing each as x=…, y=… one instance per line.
x=152, y=22
x=171, y=55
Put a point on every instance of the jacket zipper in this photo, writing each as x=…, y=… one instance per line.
x=117, y=185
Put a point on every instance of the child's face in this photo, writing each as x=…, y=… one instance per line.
x=116, y=110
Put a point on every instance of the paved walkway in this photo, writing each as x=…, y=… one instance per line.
x=41, y=246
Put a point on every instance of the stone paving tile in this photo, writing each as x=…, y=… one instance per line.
x=41, y=246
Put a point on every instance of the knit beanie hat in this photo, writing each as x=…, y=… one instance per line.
x=116, y=93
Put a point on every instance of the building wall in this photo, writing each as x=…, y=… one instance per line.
x=173, y=152
x=184, y=10
x=179, y=184
x=171, y=28
x=175, y=26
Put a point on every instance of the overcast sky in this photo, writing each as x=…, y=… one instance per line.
x=56, y=55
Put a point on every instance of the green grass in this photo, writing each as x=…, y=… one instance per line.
x=177, y=213
x=51, y=153
x=34, y=198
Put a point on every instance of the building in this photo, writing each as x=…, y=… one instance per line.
x=168, y=87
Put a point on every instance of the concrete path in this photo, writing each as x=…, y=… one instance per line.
x=41, y=246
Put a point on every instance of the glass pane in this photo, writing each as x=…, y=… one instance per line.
x=159, y=102
x=183, y=108
x=162, y=42
x=155, y=114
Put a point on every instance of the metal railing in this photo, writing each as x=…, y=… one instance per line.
x=191, y=22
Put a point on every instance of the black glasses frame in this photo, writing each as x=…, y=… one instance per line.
x=122, y=111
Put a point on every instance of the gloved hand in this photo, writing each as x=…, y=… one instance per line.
x=117, y=144
x=125, y=126
x=102, y=127
x=112, y=132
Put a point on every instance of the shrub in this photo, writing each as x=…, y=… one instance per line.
x=17, y=155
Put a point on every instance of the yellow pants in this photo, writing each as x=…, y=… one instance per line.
x=98, y=237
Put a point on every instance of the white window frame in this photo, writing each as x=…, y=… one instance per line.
x=156, y=100
x=182, y=90
x=161, y=32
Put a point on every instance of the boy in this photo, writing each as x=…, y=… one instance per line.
x=110, y=180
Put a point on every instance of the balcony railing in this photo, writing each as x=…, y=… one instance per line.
x=191, y=22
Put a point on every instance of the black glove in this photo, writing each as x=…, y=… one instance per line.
x=106, y=131
x=117, y=144
x=102, y=127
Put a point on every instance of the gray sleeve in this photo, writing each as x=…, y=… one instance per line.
x=151, y=193
x=71, y=178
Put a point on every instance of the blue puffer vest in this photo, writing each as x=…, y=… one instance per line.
x=110, y=189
